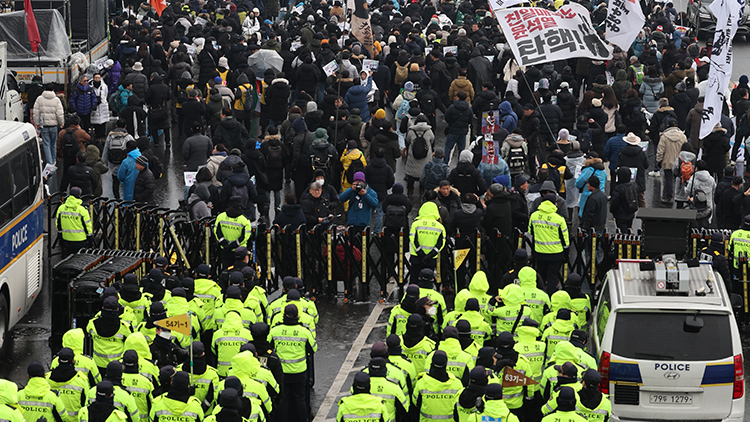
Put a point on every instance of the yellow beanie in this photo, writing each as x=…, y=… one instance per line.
x=380, y=114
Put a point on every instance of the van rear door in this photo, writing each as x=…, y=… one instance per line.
x=663, y=369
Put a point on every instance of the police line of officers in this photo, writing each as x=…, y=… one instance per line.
x=245, y=360
x=437, y=365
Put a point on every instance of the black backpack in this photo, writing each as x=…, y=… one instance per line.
x=419, y=149
x=630, y=197
x=320, y=159
x=240, y=191
x=516, y=160
x=275, y=155
x=354, y=167
x=70, y=146
x=427, y=103
x=395, y=216
x=635, y=118
x=117, y=147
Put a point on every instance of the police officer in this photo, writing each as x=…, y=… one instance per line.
x=494, y=406
x=73, y=223
x=550, y=233
x=230, y=402
x=560, y=330
x=9, y=402
x=261, y=374
x=103, y=406
x=397, y=358
x=123, y=399
x=74, y=339
x=293, y=342
x=246, y=368
x=205, y=377
x=567, y=376
x=37, y=400
x=739, y=243
x=478, y=288
x=227, y=341
x=592, y=404
x=480, y=329
x=209, y=294
x=233, y=303
x=579, y=301
x=508, y=357
x=715, y=253
x=266, y=354
x=70, y=385
x=232, y=229
x=564, y=353
x=178, y=404
x=579, y=339
x=108, y=333
x=466, y=337
x=508, y=309
x=394, y=374
x=460, y=363
x=393, y=396
x=139, y=387
x=400, y=313
x=466, y=403
x=307, y=321
x=536, y=299
x=435, y=390
x=132, y=298
x=428, y=238
x=566, y=406
x=362, y=406
x=415, y=345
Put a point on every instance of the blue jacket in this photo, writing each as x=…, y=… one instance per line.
x=508, y=117
x=128, y=173
x=490, y=170
x=592, y=166
x=83, y=99
x=113, y=77
x=360, y=207
x=612, y=150
x=356, y=97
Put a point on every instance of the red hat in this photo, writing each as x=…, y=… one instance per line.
x=232, y=7
x=660, y=28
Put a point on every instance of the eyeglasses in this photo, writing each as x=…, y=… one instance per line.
x=84, y=81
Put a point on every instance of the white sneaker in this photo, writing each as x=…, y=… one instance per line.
x=654, y=173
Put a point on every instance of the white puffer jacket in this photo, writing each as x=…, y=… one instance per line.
x=100, y=114
x=48, y=110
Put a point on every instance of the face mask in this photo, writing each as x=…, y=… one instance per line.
x=166, y=335
x=97, y=84
x=432, y=311
x=321, y=181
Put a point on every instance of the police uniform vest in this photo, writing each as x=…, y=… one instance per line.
x=37, y=400
x=397, y=321
x=235, y=305
x=260, y=294
x=551, y=404
x=362, y=408
x=433, y=398
x=73, y=394
x=138, y=308
x=11, y=414
x=166, y=409
x=123, y=401
x=232, y=228
x=253, y=391
x=427, y=235
x=559, y=331
x=536, y=299
x=107, y=349
x=209, y=293
x=514, y=396
x=407, y=368
x=533, y=351
x=638, y=73
x=549, y=229
x=505, y=317
x=480, y=329
x=203, y=384
x=304, y=306
x=739, y=243
x=304, y=319
x=494, y=410
x=598, y=414
x=253, y=304
x=419, y=352
x=390, y=393
x=563, y=417
x=227, y=342
x=73, y=220
x=459, y=362
x=464, y=413
x=115, y=416
x=581, y=307
x=395, y=376
x=141, y=389
x=291, y=342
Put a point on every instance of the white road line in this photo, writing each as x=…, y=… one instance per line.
x=348, y=365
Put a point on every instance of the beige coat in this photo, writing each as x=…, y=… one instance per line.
x=670, y=142
x=461, y=84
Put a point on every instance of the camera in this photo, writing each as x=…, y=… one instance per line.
x=358, y=187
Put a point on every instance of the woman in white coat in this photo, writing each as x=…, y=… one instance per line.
x=100, y=115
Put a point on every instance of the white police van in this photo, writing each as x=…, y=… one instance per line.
x=668, y=343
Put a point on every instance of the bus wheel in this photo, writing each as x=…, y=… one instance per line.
x=3, y=323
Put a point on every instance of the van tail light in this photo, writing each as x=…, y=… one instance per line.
x=739, y=378
x=604, y=371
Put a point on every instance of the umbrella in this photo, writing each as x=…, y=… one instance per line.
x=265, y=59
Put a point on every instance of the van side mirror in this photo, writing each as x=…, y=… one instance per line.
x=693, y=324
x=736, y=301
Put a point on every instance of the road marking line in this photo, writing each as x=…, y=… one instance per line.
x=348, y=365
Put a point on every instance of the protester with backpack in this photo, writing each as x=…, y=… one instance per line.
x=81, y=175
x=127, y=172
x=381, y=178
x=352, y=161
x=624, y=201
x=515, y=151
x=115, y=152
x=667, y=153
x=701, y=181
x=429, y=101
x=273, y=151
x=684, y=167
x=420, y=143
x=322, y=153
x=434, y=172
x=396, y=209
x=70, y=141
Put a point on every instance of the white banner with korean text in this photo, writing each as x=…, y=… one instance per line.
x=539, y=35
x=624, y=20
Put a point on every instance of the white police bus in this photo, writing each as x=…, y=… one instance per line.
x=21, y=223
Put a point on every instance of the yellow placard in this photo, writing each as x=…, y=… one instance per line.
x=513, y=378
x=458, y=257
x=179, y=323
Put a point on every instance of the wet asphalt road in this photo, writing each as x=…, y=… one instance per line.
x=340, y=324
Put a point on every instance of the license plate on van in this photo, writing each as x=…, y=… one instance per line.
x=671, y=399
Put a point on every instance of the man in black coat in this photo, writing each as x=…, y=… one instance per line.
x=499, y=214
x=230, y=131
x=291, y=213
x=724, y=185
x=143, y=190
x=552, y=115
x=530, y=132
x=465, y=177
x=277, y=99
x=315, y=207
x=193, y=110
x=381, y=178
x=81, y=175
x=633, y=156
x=157, y=99
x=396, y=198
x=595, y=211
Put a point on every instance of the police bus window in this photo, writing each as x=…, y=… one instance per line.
x=21, y=193
x=6, y=195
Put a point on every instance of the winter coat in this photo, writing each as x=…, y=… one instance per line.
x=595, y=211
x=414, y=166
x=592, y=166
x=83, y=100
x=356, y=97
x=93, y=161
x=692, y=126
x=715, y=147
x=479, y=70
x=633, y=156
x=193, y=111
x=612, y=150
x=467, y=220
x=553, y=115
x=681, y=104
x=277, y=99
x=48, y=110
x=140, y=84
x=388, y=140
x=652, y=90
x=491, y=169
x=574, y=160
x=195, y=151
x=461, y=84
x=670, y=142
x=701, y=180
x=459, y=118
x=568, y=105
x=135, y=116
x=680, y=191
x=314, y=208
x=128, y=173
x=82, y=176
x=240, y=179
x=113, y=76
x=431, y=178
x=508, y=117
x=380, y=177
x=360, y=207
x=275, y=173
x=208, y=59
x=655, y=128
x=198, y=203
x=467, y=179
x=145, y=184
x=100, y=114
x=290, y=215
x=231, y=133
x=498, y=214
x=157, y=97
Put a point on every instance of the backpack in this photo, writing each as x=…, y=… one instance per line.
x=115, y=103
x=320, y=159
x=240, y=191
x=395, y=216
x=403, y=109
x=664, y=125
x=155, y=166
x=636, y=118
x=630, y=197
x=436, y=175
x=117, y=151
x=419, y=148
x=274, y=159
x=182, y=95
x=638, y=71
x=686, y=170
x=354, y=167
x=427, y=103
x=402, y=72
x=70, y=146
x=247, y=101
x=516, y=160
